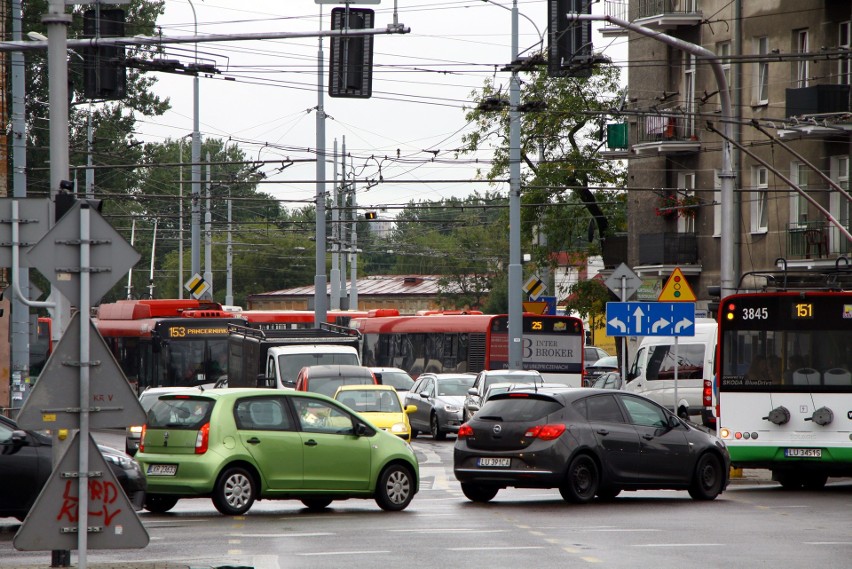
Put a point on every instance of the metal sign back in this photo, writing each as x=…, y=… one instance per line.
x=52, y=403
x=632, y=281
x=57, y=256
x=33, y=219
x=52, y=521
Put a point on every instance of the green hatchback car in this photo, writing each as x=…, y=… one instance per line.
x=241, y=445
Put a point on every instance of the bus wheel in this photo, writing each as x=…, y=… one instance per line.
x=814, y=481
x=788, y=480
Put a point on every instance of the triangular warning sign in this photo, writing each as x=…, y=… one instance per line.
x=53, y=520
x=54, y=401
x=677, y=289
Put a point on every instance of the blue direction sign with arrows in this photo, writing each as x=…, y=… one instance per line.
x=650, y=319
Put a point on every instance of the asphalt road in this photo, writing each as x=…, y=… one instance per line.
x=752, y=525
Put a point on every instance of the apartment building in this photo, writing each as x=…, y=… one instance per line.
x=789, y=70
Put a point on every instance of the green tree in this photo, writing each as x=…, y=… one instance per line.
x=560, y=149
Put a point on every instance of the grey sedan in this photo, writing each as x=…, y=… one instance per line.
x=439, y=398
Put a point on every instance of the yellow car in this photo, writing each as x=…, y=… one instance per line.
x=380, y=405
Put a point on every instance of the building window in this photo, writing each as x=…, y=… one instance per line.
x=689, y=94
x=759, y=199
x=800, y=46
x=761, y=75
x=717, y=204
x=686, y=189
x=798, y=204
x=844, y=41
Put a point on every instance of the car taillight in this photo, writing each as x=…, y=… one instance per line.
x=202, y=439
x=142, y=438
x=707, y=393
x=465, y=431
x=546, y=432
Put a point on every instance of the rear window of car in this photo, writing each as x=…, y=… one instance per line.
x=328, y=386
x=527, y=408
x=179, y=413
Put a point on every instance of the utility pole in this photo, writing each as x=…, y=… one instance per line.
x=320, y=310
x=334, y=276
x=516, y=313
x=208, y=237
x=196, y=164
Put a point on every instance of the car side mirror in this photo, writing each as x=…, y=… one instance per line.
x=472, y=391
x=409, y=409
x=673, y=422
x=424, y=394
x=19, y=437
x=360, y=429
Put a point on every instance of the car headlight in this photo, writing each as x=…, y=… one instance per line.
x=452, y=408
x=136, y=429
x=398, y=428
x=124, y=462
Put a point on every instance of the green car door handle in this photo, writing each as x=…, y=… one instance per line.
x=311, y=443
x=253, y=441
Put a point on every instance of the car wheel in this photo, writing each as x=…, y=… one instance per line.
x=159, y=503
x=234, y=492
x=316, y=503
x=478, y=492
x=683, y=413
x=708, y=478
x=608, y=493
x=395, y=488
x=581, y=481
x=437, y=433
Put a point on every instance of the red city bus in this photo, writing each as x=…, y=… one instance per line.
x=458, y=343
x=41, y=343
x=167, y=342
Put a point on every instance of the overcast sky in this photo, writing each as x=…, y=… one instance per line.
x=265, y=96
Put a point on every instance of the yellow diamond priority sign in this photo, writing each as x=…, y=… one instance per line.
x=677, y=289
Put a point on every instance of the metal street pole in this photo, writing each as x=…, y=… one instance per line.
x=727, y=241
x=516, y=313
x=320, y=310
x=334, y=275
x=195, y=169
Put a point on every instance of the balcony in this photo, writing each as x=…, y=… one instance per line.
x=668, y=14
x=616, y=9
x=668, y=248
x=665, y=134
x=817, y=242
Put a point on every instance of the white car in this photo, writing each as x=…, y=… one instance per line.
x=474, y=399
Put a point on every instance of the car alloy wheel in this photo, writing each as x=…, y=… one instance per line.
x=395, y=488
x=235, y=492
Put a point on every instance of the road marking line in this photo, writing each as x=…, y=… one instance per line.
x=277, y=535
x=679, y=545
x=341, y=553
x=493, y=548
x=592, y=559
x=449, y=530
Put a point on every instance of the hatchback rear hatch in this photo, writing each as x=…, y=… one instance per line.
x=177, y=423
x=505, y=421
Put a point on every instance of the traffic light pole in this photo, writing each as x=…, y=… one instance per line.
x=516, y=313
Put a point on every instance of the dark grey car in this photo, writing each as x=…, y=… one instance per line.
x=439, y=398
x=585, y=442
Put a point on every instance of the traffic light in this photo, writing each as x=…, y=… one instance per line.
x=104, y=71
x=65, y=201
x=370, y=215
x=351, y=61
x=569, y=53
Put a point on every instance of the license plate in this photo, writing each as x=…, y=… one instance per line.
x=162, y=469
x=495, y=462
x=803, y=452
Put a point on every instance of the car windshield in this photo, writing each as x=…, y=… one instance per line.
x=179, y=413
x=454, y=386
x=399, y=380
x=290, y=364
x=371, y=401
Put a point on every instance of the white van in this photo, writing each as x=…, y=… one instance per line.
x=652, y=372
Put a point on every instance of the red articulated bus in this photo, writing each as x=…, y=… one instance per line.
x=454, y=343
x=301, y=319
x=168, y=342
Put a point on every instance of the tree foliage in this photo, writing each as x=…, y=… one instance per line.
x=560, y=149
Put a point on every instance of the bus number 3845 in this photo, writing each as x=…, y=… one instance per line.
x=755, y=313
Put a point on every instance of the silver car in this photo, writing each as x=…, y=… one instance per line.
x=474, y=397
x=439, y=398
